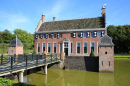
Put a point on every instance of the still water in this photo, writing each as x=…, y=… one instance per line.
x=59, y=77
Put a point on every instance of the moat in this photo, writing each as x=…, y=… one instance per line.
x=59, y=77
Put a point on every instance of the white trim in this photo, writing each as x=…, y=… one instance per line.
x=47, y=48
x=37, y=47
x=94, y=47
x=53, y=47
x=42, y=47
x=76, y=47
x=87, y=29
x=72, y=48
x=83, y=47
x=97, y=47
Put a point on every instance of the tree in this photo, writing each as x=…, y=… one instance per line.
x=25, y=37
x=92, y=53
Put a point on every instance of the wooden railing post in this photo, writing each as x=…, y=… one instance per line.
x=26, y=61
x=14, y=57
x=45, y=58
x=11, y=62
x=32, y=56
x=51, y=58
x=1, y=59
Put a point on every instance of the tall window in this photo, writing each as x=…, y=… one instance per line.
x=92, y=46
x=99, y=34
x=71, y=47
x=78, y=47
x=43, y=47
x=38, y=47
x=54, y=47
x=49, y=47
x=85, y=47
x=98, y=46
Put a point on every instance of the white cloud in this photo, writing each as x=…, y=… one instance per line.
x=11, y=21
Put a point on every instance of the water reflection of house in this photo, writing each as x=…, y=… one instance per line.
x=74, y=36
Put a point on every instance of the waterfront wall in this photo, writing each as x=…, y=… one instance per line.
x=85, y=63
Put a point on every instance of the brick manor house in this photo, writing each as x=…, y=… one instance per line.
x=74, y=36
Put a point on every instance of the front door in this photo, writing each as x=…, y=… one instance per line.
x=66, y=51
x=66, y=48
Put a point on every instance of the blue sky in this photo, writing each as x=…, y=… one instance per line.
x=25, y=14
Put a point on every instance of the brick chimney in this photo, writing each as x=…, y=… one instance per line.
x=104, y=14
x=43, y=18
x=54, y=18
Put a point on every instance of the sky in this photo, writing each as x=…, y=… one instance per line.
x=25, y=14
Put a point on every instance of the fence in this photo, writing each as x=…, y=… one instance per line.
x=11, y=62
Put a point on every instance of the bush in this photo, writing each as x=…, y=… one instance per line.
x=34, y=51
x=92, y=53
x=6, y=82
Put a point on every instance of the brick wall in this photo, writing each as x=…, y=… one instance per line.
x=106, y=61
x=73, y=40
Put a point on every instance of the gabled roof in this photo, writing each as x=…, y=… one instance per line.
x=106, y=41
x=15, y=42
x=84, y=23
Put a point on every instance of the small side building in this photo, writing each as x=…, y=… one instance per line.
x=15, y=47
x=106, y=55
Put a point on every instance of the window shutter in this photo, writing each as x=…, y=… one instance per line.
x=74, y=35
x=95, y=34
x=88, y=34
x=41, y=36
x=103, y=33
x=46, y=36
x=58, y=36
x=51, y=35
x=81, y=34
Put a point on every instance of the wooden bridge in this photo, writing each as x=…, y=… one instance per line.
x=18, y=63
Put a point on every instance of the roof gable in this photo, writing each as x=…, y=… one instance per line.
x=85, y=23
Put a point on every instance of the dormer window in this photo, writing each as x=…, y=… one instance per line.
x=46, y=36
x=41, y=36
x=103, y=33
x=80, y=34
x=73, y=35
x=95, y=34
x=36, y=36
x=58, y=35
x=51, y=35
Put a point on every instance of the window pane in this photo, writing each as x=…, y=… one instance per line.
x=60, y=35
x=49, y=47
x=78, y=47
x=54, y=35
x=71, y=47
x=99, y=34
x=43, y=47
x=38, y=47
x=85, y=34
x=92, y=46
x=85, y=47
x=49, y=35
x=55, y=47
x=92, y=34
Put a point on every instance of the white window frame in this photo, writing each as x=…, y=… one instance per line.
x=97, y=47
x=37, y=47
x=53, y=47
x=83, y=47
x=94, y=47
x=42, y=47
x=76, y=47
x=47, y=48
x=72, y=48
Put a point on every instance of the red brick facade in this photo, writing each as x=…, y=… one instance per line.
x=106, y=58
x=71, y=40
x=15, y=50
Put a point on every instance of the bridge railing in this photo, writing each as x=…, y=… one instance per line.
x=11, y=62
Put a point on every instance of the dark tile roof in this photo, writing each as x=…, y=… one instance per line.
x=106, y=41
x=13, y=43
x=97, y=22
